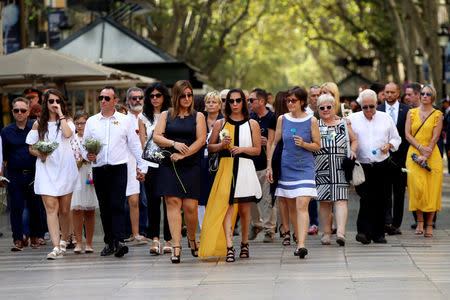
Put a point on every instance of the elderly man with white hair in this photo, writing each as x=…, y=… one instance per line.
x=377, y=134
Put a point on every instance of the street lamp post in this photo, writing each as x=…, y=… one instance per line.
x=443, y=41
x=418, y=61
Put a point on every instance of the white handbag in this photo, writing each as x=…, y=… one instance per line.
x=358, y=174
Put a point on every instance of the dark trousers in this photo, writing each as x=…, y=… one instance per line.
x=143, y=222
x=374, y=193
x=313, y=214
x=154, y=207
x=21, y=196
x=396, y=197
x=110, y=184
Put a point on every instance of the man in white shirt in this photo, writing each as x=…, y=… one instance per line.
x=135, y=190
x=313, y=95
x=117, y=134
x=376, y=134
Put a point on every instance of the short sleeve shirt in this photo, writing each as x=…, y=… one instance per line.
x=266, y=122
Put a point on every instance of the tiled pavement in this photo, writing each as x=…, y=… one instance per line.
x=408, y=267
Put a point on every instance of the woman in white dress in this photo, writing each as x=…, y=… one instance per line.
x=56, y=174
x=84, y=202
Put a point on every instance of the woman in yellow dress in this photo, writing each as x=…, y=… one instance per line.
x=424, y=161
x=236, y=138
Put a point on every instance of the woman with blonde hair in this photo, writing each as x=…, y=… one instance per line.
x=182, y=132
x=422, y=130
x=213, y=104
x=332, y=89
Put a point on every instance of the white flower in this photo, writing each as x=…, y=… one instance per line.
x=4, y=179
x=159, y=155
x=406, y=170
x=224, y=133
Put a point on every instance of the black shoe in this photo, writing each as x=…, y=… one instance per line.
x=230, y=254
x=362, y=238
x=108, y=250
x=414, y=226
x=380, y=240
x=395, y=230
x=121, y=250
x=175, y=259
x=194, y=251
x=301, y=253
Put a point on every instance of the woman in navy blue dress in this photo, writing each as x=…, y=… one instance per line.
x=301, y=136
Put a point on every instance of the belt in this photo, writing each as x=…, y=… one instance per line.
x=22, y=171
x=373, y=164
x=110, y=166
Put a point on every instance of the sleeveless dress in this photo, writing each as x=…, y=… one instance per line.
x=182, y=130
x=330, y=176
x=424, y=187
x=235, y=182
x=297, y=176
x=85, y=198
x=58, y=175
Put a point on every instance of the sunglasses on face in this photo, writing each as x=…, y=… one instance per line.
x=237, y=100
x=106, y=98
x=79, y=123
x=22, y=110
x=186, y=96
x=428, y=94
x=51, y=101
x=134, y=98
x=155, y=95
x=328, y=107
x=251, y=100
x=291, y=100
x=371, y=106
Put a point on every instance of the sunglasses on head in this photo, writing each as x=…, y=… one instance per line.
x=328, y=107
x=237, y=100
x=291, y=100
x=155, y=95
x=22, y=110
x=428, y=94
x=106, y=98
x=186, y=96
x=134, y=98
x=51, y=101
x=371, y=106
x=251, y=100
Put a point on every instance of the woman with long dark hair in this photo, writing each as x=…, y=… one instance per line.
x=182, y=132
x=156, y=100
x=56, y=174
x=237, y=138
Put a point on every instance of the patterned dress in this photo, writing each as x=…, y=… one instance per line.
x=330, y=177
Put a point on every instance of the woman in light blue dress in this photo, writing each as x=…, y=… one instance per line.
x=301, y=136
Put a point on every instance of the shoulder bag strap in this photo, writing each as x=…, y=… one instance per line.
x=423, y=122
x=347, y=139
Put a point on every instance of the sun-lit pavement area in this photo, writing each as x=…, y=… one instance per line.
x=407, y=267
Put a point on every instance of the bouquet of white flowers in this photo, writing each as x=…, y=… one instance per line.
x=45, y=147
x=93, y=146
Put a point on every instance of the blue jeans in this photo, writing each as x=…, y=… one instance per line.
x=313, y=215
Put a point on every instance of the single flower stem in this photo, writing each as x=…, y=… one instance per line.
x=175, y=169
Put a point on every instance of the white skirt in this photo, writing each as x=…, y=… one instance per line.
x=84, y=199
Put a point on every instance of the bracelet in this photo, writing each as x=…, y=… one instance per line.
x=419, y=147
x=62, y=118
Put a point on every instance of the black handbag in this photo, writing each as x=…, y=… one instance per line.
x=152, y=152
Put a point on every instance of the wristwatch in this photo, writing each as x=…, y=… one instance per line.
x=173, y=144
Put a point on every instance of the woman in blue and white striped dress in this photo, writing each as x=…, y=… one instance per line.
x=301, y=136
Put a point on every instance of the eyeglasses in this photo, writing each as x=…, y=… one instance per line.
x=328, y=107
x=237, y=100
x=251, y=100
x=106, y=98
x=428, y=94
x=155, y=95
x=186, y=96
x=291, y=100
x=224, y=99
x=371, y=106
x=22, y=110
x=51, y=101
x=79, y=123
x=134, y=98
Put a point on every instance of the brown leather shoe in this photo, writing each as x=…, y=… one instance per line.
x=18, y=246
x=35, y=243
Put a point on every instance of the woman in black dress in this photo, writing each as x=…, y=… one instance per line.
x=181, y=131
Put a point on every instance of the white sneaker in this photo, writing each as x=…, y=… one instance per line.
x=55, y=254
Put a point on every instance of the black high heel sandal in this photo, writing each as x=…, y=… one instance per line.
x=244, y=251
x=194, y=251
x=286, y=238
x=301, y=253
x=175, y=259
x=230, y=254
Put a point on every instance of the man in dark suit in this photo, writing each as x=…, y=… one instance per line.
x=397, y=180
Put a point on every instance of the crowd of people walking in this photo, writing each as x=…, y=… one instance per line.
x=232, y=164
